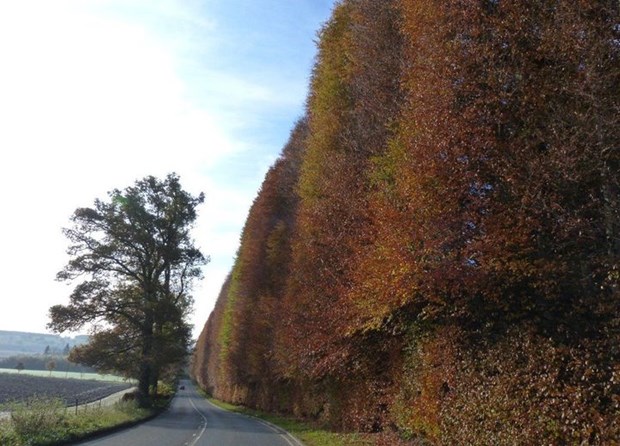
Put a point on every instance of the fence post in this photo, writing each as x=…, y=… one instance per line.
x=76, y=405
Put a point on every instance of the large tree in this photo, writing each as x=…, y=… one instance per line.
x=135, y=262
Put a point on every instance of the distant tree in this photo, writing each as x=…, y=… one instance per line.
x=66, y=350
x=51, y=366
x=20, y=367
x=47, y=350
x=139, y=261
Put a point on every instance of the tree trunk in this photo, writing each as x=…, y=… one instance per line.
x=154, y=380
x=146, y=366
x=144, y=381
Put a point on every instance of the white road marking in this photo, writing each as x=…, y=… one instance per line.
x=204, y=427
x=284, y=434
x=290, y=439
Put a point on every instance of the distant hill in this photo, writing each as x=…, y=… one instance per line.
x=17, y=342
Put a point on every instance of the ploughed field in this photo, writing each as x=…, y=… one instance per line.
x=18, y=387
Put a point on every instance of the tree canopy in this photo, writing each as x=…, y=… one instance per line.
x=134, y=262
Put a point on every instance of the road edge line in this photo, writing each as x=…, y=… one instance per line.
x=204, y=427
x=286, y=434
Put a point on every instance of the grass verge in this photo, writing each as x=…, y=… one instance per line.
x=307, y=433
x=47, y=422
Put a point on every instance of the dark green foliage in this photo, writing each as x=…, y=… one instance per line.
x=137, y=262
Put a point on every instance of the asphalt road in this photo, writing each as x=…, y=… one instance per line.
x=191, y=420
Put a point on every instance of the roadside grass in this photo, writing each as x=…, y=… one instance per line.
x=47, y=422
x=307, y=433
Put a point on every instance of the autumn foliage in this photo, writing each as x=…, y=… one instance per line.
x=435, y=256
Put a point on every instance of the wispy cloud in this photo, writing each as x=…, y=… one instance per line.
x=95, y=94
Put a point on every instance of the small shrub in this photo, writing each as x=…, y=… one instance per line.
x=38, y=419
x=8, y=436
x=127, y=406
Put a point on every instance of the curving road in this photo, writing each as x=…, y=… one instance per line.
x=191, y=420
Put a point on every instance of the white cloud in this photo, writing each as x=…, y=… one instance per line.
x=95, y=94
x=87, y=104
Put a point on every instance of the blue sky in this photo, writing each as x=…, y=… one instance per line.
x=95, y=94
